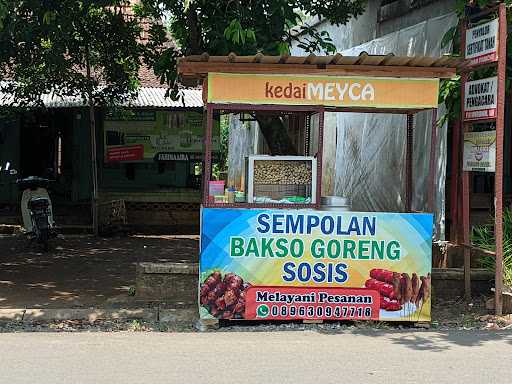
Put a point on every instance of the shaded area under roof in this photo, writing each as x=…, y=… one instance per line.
x=197, y=66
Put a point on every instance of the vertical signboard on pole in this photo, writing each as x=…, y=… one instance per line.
x=485, y=43
x=480, y=99
x=480, y=151
x=482, y=43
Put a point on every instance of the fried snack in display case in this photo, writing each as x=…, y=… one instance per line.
x=281, y=179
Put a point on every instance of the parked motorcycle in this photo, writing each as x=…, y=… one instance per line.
x=36, y=209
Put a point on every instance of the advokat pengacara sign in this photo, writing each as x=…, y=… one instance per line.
x=480, y=99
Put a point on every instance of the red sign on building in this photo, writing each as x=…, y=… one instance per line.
x=126, y=153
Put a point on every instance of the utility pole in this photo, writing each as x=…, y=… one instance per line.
x=94, y=166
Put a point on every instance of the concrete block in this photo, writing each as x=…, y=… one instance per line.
x=448, y=283
x=167, y=282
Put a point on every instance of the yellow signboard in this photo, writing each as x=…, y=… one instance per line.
x=335, y=91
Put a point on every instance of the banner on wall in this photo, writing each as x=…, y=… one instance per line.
x=147, y=135
x=480, y=151
x=480, y=99
x=482, y=43
x=308, y=264
x=336, y=91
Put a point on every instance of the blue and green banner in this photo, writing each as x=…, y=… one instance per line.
x=309, y=264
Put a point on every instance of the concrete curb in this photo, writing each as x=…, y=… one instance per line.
x=178, y=315
x=31, y=314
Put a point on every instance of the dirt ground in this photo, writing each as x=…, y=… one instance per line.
x=86, y=272
x=81, y=272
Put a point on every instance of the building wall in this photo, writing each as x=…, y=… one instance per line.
x=400, y=14
x=9, y=155
x=156, y=195
x=371, y=24
x=145, y=175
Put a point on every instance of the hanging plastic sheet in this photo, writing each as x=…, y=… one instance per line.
x=370, y=155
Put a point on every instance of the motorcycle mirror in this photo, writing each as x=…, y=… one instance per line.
x=13, y=172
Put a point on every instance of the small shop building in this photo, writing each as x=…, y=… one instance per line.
x=148, y=156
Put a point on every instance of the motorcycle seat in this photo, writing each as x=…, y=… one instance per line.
x=38, y=203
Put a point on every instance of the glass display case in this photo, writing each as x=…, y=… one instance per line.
x=281, y=179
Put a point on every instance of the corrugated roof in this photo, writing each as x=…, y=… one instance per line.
x=147, y=97
x=196, y=66
x=337, y=59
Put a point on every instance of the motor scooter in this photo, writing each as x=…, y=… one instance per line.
x=36, y=209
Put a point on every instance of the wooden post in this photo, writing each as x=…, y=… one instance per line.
x=408, y=162
x=433, y=162
x=207, y=167
x=94, y=165
x=466, y=209
x=94, y=169
x=498, y=179
x=454, y=184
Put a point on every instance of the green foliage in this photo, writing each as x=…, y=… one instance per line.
x=238, y=35
x=245, y=27
x=3, y=12
x=248, y=27
x=483, y=237
x=47, y=46
x=449, y=94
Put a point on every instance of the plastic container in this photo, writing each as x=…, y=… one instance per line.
x=219, y=199
x=239, y=197
x=230, y=193
x=335, y=203
x=216, y=187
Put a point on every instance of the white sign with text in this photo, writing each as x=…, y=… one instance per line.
x=480, y=151
x=482, y=43
x=480, y=99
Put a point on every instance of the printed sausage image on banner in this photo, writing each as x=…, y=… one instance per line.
x=308, y=264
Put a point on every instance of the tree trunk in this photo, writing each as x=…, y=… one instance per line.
x=275, y=134
x=194, y=46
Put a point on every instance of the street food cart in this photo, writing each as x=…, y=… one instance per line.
x=270, y=248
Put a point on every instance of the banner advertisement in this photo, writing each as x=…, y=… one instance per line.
x=480, y=151
x=307, y=264
x=482, y=43
x=139, y=135
x=480, y=99
x=366, y=92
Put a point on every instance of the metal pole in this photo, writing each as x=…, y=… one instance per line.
x=319, y=156
x=498, y=179
x=433, y=162
x=207, y=153
x=408, y=162
x=454, y=183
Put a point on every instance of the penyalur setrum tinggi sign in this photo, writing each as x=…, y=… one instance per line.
x=482, y=43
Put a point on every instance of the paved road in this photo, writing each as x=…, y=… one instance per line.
x=242, y=357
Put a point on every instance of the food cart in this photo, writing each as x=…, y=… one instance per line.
x=270, y=250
